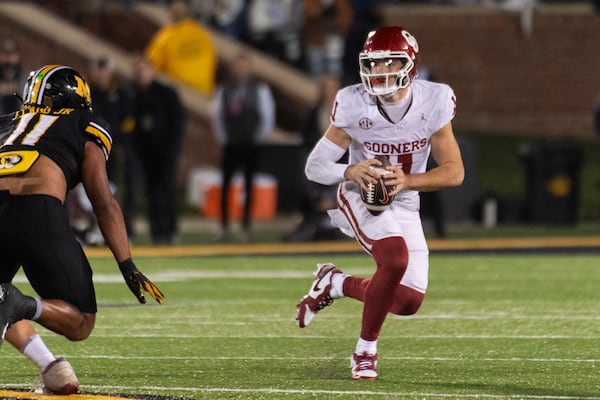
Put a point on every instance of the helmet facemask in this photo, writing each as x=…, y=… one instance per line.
x=383, y=73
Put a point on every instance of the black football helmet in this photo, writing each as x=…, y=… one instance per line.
x=57, y=86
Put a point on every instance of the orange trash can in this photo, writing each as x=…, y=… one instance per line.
x=264, y=204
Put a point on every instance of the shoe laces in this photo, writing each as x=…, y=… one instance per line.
x=365, y=362
x=322, y=303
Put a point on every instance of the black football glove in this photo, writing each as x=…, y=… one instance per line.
x=138, y=283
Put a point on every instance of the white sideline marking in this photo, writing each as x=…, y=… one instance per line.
x=303, y=336
x=331, y=358
x=321, y=391
x=326, y=358
x=175, y=276
x=502, y=315
x=184, y=275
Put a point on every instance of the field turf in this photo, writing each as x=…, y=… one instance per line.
x=492, y=327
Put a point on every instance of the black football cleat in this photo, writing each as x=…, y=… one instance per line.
x=14, y=306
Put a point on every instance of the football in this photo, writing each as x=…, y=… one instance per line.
x=378, y=198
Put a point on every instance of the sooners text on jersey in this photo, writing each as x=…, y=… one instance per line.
x=405, y=142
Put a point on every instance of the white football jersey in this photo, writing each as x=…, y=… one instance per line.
x=405, y=142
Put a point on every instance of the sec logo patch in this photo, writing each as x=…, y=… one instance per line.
x=365, y=123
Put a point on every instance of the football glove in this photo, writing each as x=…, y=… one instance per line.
x=138, y=283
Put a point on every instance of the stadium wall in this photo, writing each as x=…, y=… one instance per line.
x=509, y=81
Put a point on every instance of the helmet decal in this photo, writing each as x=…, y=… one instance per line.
x=410, y=39
x=57, y=86
x=83, y=88
x=35, y=84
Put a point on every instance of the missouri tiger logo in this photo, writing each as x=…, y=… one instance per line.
x=17, y=162
x=10, y=160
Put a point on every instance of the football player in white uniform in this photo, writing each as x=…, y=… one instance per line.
x=389, y=114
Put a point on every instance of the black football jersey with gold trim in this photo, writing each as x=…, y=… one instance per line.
x=60, y=135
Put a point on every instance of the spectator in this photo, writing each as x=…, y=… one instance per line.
x=326, y=23
x=317, y=198
x=12, y=78
x=229, y=17
x=112, y=106
x=244, y=113
x=184, y=50
x=365, y=17
x=159, y=127
x=273, y=26
x=112, y=101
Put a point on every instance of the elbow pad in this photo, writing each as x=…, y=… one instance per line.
x=322, y=166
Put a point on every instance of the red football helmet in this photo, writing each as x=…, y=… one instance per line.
x=388, y=60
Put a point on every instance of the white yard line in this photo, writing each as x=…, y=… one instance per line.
x=327, y=358
x=420, y=395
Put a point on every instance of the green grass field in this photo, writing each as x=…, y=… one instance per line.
x=492, y=327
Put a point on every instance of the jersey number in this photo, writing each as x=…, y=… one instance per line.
x=406, y=161
x=31, y=134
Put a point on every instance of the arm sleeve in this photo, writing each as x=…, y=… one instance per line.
x=322, y=166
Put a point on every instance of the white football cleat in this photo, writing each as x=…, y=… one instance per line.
x=319, y=295
x=59, y=378
x=364, y=366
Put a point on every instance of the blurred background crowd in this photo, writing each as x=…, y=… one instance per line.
x=188, y=86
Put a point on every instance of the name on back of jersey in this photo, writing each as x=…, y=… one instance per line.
x=43, y=110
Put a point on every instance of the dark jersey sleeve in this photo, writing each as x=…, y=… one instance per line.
x=96, y=130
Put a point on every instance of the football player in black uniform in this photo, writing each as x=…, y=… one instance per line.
x=53, y=143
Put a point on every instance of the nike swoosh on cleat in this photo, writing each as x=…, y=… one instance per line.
x=316, y=287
